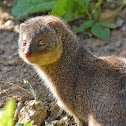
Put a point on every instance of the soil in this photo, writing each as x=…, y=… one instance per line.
x=14, y=70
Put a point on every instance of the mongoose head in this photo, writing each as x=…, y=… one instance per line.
x=40, y=40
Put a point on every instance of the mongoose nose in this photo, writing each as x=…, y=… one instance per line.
x=27, y=54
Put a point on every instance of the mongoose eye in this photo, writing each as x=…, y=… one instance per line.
x=24, y=43
x=41, y=43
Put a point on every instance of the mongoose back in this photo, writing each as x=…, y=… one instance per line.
x=92, y=89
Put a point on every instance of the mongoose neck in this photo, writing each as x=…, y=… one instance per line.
x=72, y=47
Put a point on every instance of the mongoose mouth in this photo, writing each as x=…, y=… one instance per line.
x=30, y=58
x=27, y=54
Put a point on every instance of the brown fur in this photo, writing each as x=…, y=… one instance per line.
x=92, y=89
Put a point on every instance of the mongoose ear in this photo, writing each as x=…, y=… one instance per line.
x=57, y=26
x=22, y=26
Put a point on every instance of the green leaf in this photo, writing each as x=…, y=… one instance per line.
x=100, y=31
x=8, y=114
x=79, y=29
x=68, y=10
x=70, y=16
x=94, y=10
x=20, y=124
x=30, y=124
x=124, y=1
x=88, y=24
x=109, y=25
x=24, y=7
x=62, y=7
x=83, y=2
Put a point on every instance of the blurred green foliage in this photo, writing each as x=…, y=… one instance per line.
x=8, y=114
x=25, y=7
x=29, y=124
x=70, y=10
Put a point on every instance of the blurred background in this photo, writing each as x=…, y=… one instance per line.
x=99, y=24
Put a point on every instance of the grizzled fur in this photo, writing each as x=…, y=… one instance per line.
x=92, y=89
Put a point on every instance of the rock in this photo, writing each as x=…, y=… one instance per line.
x=34, y=110
x=25, y=71
x=16, y=28
x=1, y=51
x=60, y=112
x=108, y=49
x=55, y=112
x=123, y=54
x=14, y=47
x=8, y=4
x=119, y=22
x=62, y=122
x=123, y=28
x=108, y=16
x=118, y=44
x=15, y=55
x=19, y=106
x=9, y=24
x=52, y=123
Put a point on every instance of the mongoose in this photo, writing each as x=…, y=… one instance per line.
x=92, y=89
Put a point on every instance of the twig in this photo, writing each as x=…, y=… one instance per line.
x=2, y=82
x=99, y=3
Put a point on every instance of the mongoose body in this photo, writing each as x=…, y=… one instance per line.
x=92, y=89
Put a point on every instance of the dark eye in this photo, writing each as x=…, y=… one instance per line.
x=41, y=42
x=24, y=43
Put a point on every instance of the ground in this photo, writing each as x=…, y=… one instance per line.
x=14, y=70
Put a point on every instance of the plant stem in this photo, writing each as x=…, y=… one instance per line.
x=120, y=8
x=99, y=3
x=31, y=89
x=88, y=13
